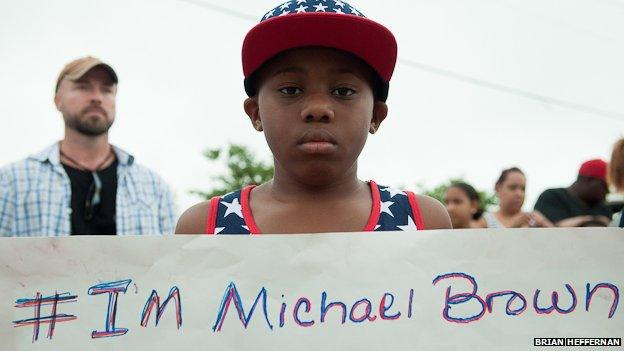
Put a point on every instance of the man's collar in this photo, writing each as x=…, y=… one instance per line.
x=52, y=154
x=123, y=157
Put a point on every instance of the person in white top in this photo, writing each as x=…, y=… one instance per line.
x=510, y=190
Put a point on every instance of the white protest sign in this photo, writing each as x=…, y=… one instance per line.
x=437, y=290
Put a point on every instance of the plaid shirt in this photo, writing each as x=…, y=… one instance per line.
x=35, y=197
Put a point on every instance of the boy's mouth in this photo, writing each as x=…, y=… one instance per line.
x=317, y=142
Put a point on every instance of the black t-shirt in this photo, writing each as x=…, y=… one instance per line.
x=558, y=204
x=103, y=220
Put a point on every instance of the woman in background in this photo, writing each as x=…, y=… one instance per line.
x=510, y=190
x=463, y=205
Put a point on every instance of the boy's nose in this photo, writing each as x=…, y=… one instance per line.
x=318, y=108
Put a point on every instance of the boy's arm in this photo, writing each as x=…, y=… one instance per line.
x=433, y=213
x=193, y=220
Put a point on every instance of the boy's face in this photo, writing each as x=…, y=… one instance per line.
x=316, y=107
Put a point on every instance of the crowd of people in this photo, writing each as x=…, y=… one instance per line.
x=315, y=97
x=582, y=204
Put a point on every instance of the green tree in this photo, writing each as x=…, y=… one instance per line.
x=243, y=169
x=487, y=199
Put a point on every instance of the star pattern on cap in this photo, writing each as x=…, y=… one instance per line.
x=269, y=14
x=310, y=6
x=233, y=207
x=320, y=7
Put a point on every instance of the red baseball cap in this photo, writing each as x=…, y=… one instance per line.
x=326, y=23
x=594, y=169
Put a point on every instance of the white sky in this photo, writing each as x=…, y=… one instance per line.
x=181, y=85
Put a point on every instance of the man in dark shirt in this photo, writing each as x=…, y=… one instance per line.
x=582, y=203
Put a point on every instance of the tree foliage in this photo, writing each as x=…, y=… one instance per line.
x=242, y=169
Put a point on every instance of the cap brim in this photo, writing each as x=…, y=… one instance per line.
x=86, y=68
x=364, y=38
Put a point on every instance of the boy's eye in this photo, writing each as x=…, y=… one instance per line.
x=290, y=90
x=343, y=91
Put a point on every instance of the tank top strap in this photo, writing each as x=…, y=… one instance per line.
x=226, y=214
x=211, y=219
x=399, y=210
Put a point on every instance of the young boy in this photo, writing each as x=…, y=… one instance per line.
x=317, y=74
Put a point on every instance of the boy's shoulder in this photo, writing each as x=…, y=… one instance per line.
x=430, y=210
x=195, y=219
x=434, y=214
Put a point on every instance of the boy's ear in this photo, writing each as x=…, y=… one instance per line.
x=380, y=111
x=252, y=110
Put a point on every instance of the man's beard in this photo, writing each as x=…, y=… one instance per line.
x=86, y=124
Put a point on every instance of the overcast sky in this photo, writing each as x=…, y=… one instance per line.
x=480, y=85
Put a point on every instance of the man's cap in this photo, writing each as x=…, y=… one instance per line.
x=594, y=169
x=325, y=23
x=79, y=67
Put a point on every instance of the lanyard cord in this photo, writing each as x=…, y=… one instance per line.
x=82, y=167
x=97, y=182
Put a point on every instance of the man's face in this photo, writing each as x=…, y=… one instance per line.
x=316, y=107
x=597, y=191
x=592, y=190
x=88, y=104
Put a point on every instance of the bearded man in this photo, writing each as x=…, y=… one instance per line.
x=83, y=184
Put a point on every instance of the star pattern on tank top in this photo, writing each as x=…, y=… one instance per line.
x=392, y=191
x=385, y=207
x=393, y=205
x=395, y=212
x=410, y=226
x=233, y=207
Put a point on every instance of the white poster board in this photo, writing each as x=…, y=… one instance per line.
x=437, y=290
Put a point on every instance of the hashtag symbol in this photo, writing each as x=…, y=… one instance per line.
x=51, y=319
